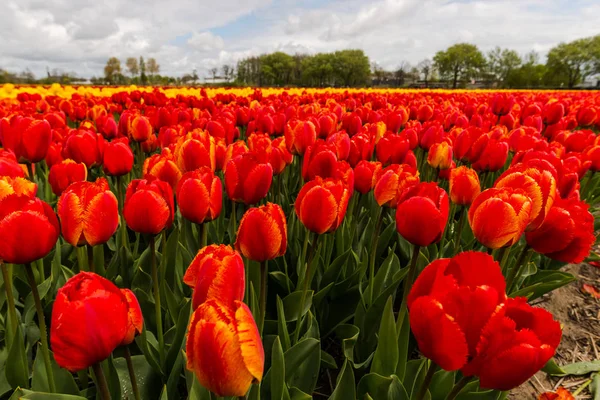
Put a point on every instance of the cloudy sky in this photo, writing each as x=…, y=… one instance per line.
x=80, y=35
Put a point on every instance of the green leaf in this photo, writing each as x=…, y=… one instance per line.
x=30, y=395
x=295, y=356
x=396, y=390
x=174, y=375
x=178, y=341
x=18, y=372
x=386, y=354
x=292, y=304
x=543, y=282
x=297, y=394
x=403, y=343
x=579, y=368
x=112, y=378
x=282, y=329
x=63, y=379
x=306, y=375
x=552, y=368
x=278, y=371
x=380, y=387
x=327, y=360
x=345, y=388
x=148, y=350
x=441, y=384
x=595, y=387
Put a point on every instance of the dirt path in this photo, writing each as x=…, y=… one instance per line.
x=579, y=314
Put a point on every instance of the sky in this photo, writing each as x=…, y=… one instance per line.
x=183, y=35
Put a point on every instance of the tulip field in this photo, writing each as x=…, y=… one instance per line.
x=291, y=244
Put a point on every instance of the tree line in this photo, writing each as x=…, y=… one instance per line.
x=566, y=66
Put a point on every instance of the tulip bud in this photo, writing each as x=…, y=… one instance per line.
x=464, y=185
x=499, y=216
x=262, y=234
x=148, y=206
x=321, y=204
x=422, y=213
x=28, y=229
x=200, y=196
x=118, y=157
x=88, y=212
x=79, y=333
x=229, y=335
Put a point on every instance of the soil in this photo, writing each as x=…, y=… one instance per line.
x=579, y=314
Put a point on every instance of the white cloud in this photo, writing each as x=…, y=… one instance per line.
x=80, y=35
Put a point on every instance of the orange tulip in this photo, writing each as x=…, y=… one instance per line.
x=148, y=206
x=196, y=150
x=539, y=184
x=88, y=212
x=464, y=185
x=299, y=135
x=262, y=234
x=440, y=155
x=216, y=273
x=162, y=166
x=139, y=129
x=321, y=204
x=499, y=216
x=392, y=181
x=65, y=173
x=224, y=349
x=18, y=185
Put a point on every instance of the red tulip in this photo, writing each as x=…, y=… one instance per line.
x=262, y=234
x=440, y=155
x=79, y=333
x=27, y=138
x=139, y=129
x=28, y=229
x=361, y=148
x=392, y=149
x=148, y=206
x=567, y=232
x=517, y=341
x=320, y=159
x=499, y=216
x=196, y=150
x=216, y=273
x=84, y=146
x=246, y=179
x=118, y=157
x=299, y=135
x=390, y=182
x=488, y=154
x=422, y=213
x=553, y=112
x=502, y=104
x=450, y=303
x=586, y=116
x=464, y=185
x=365, y=174
x=321, y=204
x=9, y=165
x=88, y=212
x=200, y=196
x=224, y=349
x=135, y=318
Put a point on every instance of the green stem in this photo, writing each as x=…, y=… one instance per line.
x=132, y=378
x=517, y=270
x=503, y=258
x=408, y=281
x=234, y=217
x=303, y=259
x=304, y=291
x=101, y=384
x=12, y=313
x=453, y=208
x=458, y=387
x=426, y=382
x=263, y=295
x=457, y=234
x=203, y=235
x=30, y=171
x=81, y=259
x=90, y=258
x=374, y=254
x=43, y=330
x=159, y=327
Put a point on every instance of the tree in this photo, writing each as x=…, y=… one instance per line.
x=112, y=69
x=461, y=61
x=351, y=67
x=226, y=69
x=317, y=70
x=277, y=68
x=213, y=72
x=143, y=77
x=194, y=76
x=401, y=73
x=132, y=66
x=572, y=62
x=501, y=62
x=425, y=69
x=153, y=67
